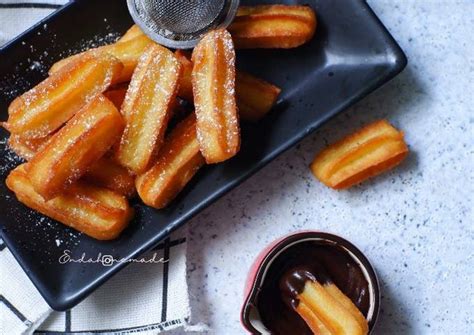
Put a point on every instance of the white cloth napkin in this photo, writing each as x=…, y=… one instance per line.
x=143, y=298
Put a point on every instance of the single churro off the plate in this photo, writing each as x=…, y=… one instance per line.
x=273, y=26
x=45, y=108
x=372, y=150
x=213, y=78
x=68, y=155
x=97, y=212
x=178, y=161
x=147, y=108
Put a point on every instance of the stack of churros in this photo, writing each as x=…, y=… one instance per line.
x=107, y=123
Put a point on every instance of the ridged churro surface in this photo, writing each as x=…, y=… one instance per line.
x=46, y=107
x=213, y=79
x=273, y=26
x=79, y=144
x=179, y=159
x=364, y=154
x=98, y=212
x=147, y=108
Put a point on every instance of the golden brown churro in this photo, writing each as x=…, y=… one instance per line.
x=254, y=96
x=320, y=303
x=128, y=52
x=273, y=26
x=147, y=108
x=103, y=173
x=98, y=212
x=213, y=81
x=70, y=152
x=179, y=159
x=46, y=107
x=367, y=153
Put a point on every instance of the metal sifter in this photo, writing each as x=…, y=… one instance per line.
x=181, y=23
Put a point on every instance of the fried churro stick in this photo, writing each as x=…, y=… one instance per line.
x=255, y=97
x=70, y=152
x=179, y=159
x=147, y=108
x=325, y=309
x=273, y=26
x=97, y=212
x=213, y=81
x=372, y=150
x=104, y=173
x=128, y=52
x=131, y=33
x=46, y=107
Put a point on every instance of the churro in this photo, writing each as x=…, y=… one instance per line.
x=71, y=151
x=128, y=52
x=178, y=161
x=46, y=107
x=104, y=173
x=213, y=81
x=320, y=303
x=147, y=108
x=273, y=26
x=254, y=96
x=97, y=212
x=372, y=150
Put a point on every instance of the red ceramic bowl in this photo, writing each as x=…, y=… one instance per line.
x=251, y=316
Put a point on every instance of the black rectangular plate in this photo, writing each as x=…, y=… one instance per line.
x=351, y=55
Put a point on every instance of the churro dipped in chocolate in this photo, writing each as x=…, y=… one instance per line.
x=71, y=151
x=128, y=52
x=326, y=310
x=273, y=26
x=213, y=78
x=147, y=108
x=370, y=151
x=45, y=108
x=98, y=212
x=178, y=161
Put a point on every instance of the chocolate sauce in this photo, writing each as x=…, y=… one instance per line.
x=289, y=271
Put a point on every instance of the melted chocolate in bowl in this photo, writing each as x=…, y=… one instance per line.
x=327, y=262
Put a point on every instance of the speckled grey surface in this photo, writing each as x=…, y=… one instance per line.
x=415, y=223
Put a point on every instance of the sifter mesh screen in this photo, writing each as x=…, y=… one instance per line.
x=182, y=21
